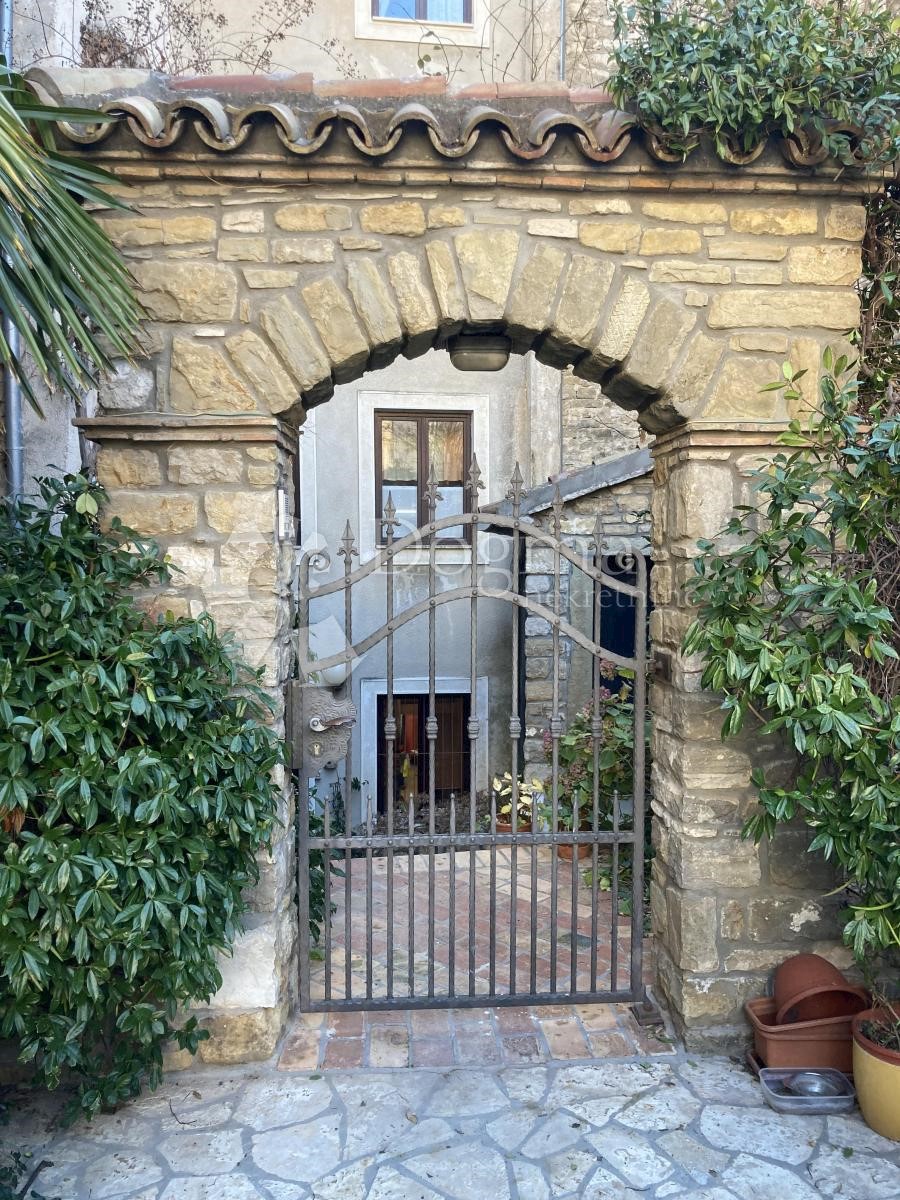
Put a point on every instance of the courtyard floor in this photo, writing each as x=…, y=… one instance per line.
x=695, y=1128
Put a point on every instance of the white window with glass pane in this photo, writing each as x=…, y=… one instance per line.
x=408, y=446
x=408, y=20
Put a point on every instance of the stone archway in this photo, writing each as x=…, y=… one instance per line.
x=268, y=282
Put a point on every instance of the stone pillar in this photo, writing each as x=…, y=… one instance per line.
x=209, y=490
x=725, y=911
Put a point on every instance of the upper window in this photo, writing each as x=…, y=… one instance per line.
x=436, y=12
x=407, y=446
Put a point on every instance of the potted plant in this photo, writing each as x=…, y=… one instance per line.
x=876, y=1066
x=528, y=793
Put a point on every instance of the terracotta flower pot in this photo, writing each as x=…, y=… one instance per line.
x=506, y=827
x=876, y=1074
x=809, y=988
x=565, y=850
x=826, y=1043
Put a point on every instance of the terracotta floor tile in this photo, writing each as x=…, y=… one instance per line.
x=472, y=1049
x=597, y=1016
x=344, y=1052
x=610, y=1044
x=388, y=1046
x=522, y=1047
x=300, y=1051
x=431, y=1052
x=515, y=1020
x=430, y=1022
x=565, y=1039
x=346, y=1024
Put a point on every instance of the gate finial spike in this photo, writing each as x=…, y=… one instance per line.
x=475, y=484
x=516, y=491
x=389, y=520
x=348, y=545
x=557, y=508
x=432, y=495
x=596, y=542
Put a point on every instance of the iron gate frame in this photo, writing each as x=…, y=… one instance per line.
x=392, y=842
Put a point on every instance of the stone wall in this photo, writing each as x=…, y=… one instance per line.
x=268, y=279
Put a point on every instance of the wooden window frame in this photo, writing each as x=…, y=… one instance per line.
x=421, y=420
x=422, y=14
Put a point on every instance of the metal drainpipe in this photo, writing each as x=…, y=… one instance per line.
x=12, y=393
x=562, y=41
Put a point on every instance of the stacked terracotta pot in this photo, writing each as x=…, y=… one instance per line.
x=807, y=1021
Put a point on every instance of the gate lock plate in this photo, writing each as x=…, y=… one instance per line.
x=319, y=728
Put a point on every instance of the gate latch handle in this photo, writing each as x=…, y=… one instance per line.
x=319, y=724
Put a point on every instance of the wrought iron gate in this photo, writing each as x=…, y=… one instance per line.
x=453, y=912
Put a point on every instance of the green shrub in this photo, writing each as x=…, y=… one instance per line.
x=790, y=616
x=137, y=788
x=740, y=70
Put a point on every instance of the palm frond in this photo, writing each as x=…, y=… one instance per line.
x=62, y=282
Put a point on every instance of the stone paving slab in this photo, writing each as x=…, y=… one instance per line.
x=463, y=1036
x=675, y=1126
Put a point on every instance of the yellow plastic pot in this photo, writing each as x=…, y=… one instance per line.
x=876, y=1074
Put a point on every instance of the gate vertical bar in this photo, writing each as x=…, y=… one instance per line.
x=431, y=725
x=555, y=734
x=637, y=821
x=515, y=494
x=389, y=522
x=326, y=863
x=596, y=734
x=304, y=947
x=347, y=552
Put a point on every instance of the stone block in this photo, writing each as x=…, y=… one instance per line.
x=192, y=464
x=487, y=259
x=687, y=212
x=239, y=1037
x=130, y=232
x=267, y=277
x=738, y=392
x=240, y=511
x=618, y=331
x=824, y=264
x=587, y=285
x=782, y=220
x=445, y=216
x=201, y=380
x=334, y=319
x=600, y=205
x=127, y=387
x=260, y=365
x=312, y=218
x=753, y=250
x=791, y=309
x=697, y=370
x=649, y=365
x=691, y=930
x=557, y=227
x=417, y=311
x=531, y=300
x=374, y=303
x=615, y=237
x=302, y=250
x=789, y=919
x=196, y=565
x=154, y=514
x=670, y=241
x=243, y=249
x=447, y=288
x=193, y=292
x=244, y=220
x=680, y=271
x=295, y=342
x=846, y=222
x=772, y=343
x=756, y=273
x=247, y=561
x=404, y=218
x=125, y=468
